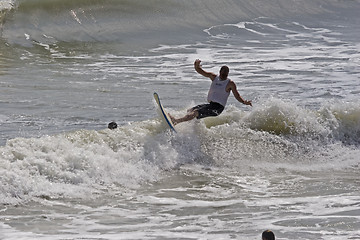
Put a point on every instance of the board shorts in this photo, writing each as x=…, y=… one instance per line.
x=211, y=109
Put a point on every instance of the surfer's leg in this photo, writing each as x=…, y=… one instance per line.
x=189, y=116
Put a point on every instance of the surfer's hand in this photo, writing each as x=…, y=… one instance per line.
x=248, y=103
x=197, y=63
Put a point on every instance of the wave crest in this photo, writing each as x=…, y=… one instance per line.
x=51, y=21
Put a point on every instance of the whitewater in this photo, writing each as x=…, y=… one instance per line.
x=289, y=164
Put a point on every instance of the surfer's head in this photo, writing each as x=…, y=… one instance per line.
x=224, y=72
x=268, y=235
x=112, y=125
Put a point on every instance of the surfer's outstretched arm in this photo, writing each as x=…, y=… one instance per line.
x=201, y=71
x=232, y=87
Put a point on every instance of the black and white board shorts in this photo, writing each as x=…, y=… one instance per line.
x=211, y=109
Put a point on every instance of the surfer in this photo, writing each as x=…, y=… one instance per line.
x=268, y=235
x=219, y=92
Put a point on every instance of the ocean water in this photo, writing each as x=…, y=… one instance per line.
x=290, y=163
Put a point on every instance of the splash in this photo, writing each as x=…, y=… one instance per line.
x=274, y=136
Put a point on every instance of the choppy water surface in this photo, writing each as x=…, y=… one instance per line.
x=290, y=163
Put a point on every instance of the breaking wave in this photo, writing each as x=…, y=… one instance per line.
x=274, y=136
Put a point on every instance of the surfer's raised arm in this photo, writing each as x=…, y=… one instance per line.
x=201, y=71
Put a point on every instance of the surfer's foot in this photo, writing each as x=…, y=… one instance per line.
x=174, y=121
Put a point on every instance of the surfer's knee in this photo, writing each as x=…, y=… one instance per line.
x=191, y=115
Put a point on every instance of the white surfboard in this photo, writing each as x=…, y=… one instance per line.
x=164, y=114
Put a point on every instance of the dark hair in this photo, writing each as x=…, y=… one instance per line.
x=268, y=235
x=224, y=71
x=112, y=125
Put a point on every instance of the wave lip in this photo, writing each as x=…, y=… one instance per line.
x=30, y=22
x=331, y=123
x=5, y=7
